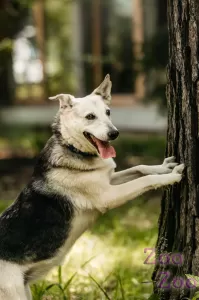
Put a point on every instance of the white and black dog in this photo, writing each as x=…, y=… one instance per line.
x=72, y=184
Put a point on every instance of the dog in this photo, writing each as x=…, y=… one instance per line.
x=73, y=182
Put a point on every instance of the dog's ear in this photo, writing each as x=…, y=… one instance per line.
x=104, y=89
x=65, y=100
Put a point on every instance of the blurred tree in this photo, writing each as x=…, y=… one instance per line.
x=121, y=53
x=53, y=23
x=59, y=34
x=155, y=57
x=12, y=20
x=179, y=218
x=154, y=66
x=117, y=46
x=95, y=52
x=38, y=13
x=112, y=52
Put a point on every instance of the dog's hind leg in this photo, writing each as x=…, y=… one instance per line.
x=12, y=293
x=11, y=282
x=28, y=292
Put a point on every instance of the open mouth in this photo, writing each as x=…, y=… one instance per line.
x=104, y=148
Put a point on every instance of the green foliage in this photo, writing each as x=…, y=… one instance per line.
x=156, y=50
x=196, y=296
x=4, y=205
x=28, y=141
x=5, y=50
x=120, y=47
x=154, y=297
x=147, y=147
x=14, y=16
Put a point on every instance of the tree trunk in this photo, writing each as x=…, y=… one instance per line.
x=179, y=219
x=13, y=17
x=7, y=83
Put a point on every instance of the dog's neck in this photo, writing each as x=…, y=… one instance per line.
x=72, y=148
x=66, y=140
x=76, y=146
x=77, y=151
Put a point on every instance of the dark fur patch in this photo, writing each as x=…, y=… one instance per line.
x=43, y=163
x=56, y=128
x=34, y=227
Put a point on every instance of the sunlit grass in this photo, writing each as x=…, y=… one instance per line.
x=108, y=261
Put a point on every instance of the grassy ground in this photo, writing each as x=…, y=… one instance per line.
x=108, y=261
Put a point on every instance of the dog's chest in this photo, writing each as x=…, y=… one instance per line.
x=79, y=224
x=84, y=187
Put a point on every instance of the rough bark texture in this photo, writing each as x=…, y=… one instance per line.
x=179, y=219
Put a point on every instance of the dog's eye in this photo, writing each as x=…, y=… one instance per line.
x=108, y=112
x=91, y=117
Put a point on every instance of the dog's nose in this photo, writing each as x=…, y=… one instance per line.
x=113, y=134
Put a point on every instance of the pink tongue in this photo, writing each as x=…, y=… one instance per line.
x=105, y=149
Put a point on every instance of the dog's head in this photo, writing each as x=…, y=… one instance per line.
x=85, y=123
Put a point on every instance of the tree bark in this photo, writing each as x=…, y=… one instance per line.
x=7, y=83
x=179, y=218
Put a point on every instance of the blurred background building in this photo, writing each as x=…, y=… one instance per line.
x=68, y=46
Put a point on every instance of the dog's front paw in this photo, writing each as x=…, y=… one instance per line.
x=169, y=164
x=176, y=174
x=167, y=167
x=178, y=169
x=168, y=179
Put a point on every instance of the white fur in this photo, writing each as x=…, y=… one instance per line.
x=74, y=123
x=11, y=282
